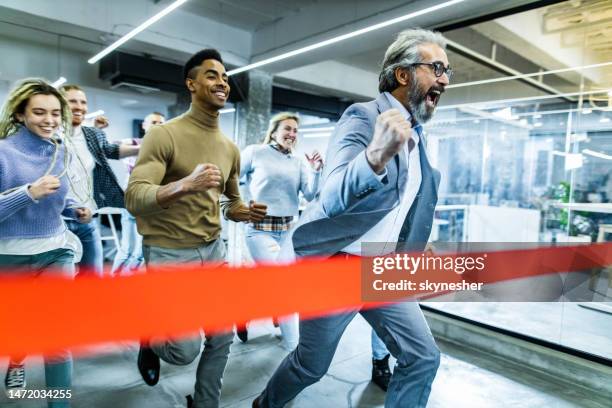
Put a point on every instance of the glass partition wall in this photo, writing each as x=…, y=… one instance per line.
x=529, y=159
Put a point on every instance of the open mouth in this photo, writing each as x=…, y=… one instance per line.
x=220, y=94
x=433, y=97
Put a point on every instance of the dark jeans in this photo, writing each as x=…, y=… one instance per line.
x=58, y=368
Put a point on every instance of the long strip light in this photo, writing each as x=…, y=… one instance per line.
x=59, y=82
x=534, y=115
x=597, y=154
x=522, y=99
x=533, y=74
x=344, y=37
x=94, y=114
x=227, y=110
x=135, y=31
x=317, y=129
x=317, y=134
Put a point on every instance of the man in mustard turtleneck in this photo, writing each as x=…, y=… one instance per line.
x=175, y=189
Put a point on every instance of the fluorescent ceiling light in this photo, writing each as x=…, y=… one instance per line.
x=537, y=124
x=94, y=114
x=135, y=31
x=59, y=82
x=318, y=134
x=228, y=110
x=535, y=115
x=604, y=120
x=319, y=129
x=343, y=37
x=597, y=154
x=505, y=113
x=532, y=74
x=587, y=111
x=523, y=99
x=579, y=137
x=573, y=161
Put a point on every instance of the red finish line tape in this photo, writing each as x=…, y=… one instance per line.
x=43, y=315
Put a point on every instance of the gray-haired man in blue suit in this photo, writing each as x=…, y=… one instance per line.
x=378, y=186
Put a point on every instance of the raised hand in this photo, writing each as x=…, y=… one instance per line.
x=203, y=177
x=101, y=122
x=392, y=130
x=44, y=186
x=315, y=160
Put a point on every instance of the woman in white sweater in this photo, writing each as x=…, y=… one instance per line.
x=273, y=175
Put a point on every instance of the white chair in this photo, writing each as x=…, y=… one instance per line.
x=109, y=211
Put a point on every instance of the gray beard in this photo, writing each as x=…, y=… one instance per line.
x=418, y=104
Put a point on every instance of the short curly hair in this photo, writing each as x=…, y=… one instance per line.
x=190, y=68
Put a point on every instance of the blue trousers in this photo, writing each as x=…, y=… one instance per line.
x=129, y=256
x=403, y=329
x=58, y=368
x=92, y=261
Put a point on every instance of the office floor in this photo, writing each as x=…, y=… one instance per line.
x=109, y=378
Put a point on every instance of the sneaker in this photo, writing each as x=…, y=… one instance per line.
x=148, y=365
x=381, y=374
x=15, y=376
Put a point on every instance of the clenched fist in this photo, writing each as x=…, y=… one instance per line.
x=203, y=177
x=83, y=215
x=392, y=130
x=44, y=186
x=101, y=122
x=257, y=211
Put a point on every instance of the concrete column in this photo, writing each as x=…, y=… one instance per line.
x=251, y=123
x=252, y=115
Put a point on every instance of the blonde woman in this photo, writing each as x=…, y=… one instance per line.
x=33, y=187
x=274, y=176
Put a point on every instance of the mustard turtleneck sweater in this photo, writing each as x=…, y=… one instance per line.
x=170, y=152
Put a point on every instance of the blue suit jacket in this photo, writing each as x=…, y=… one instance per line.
x=351, y=199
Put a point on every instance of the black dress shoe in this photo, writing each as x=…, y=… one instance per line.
x=381, y=375
x=256, y=403
x=189, y=401
x=243, y=335
x=148, y=365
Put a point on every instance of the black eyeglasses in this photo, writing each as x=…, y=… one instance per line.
x=438, y=68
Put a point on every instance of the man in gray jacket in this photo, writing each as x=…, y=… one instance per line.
x=378, y=187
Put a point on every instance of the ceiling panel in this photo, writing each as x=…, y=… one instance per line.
x=246, y=14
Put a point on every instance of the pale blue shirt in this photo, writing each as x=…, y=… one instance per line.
x=276, y=179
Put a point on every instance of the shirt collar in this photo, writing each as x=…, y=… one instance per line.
x=276, y=147
x=418, y=129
